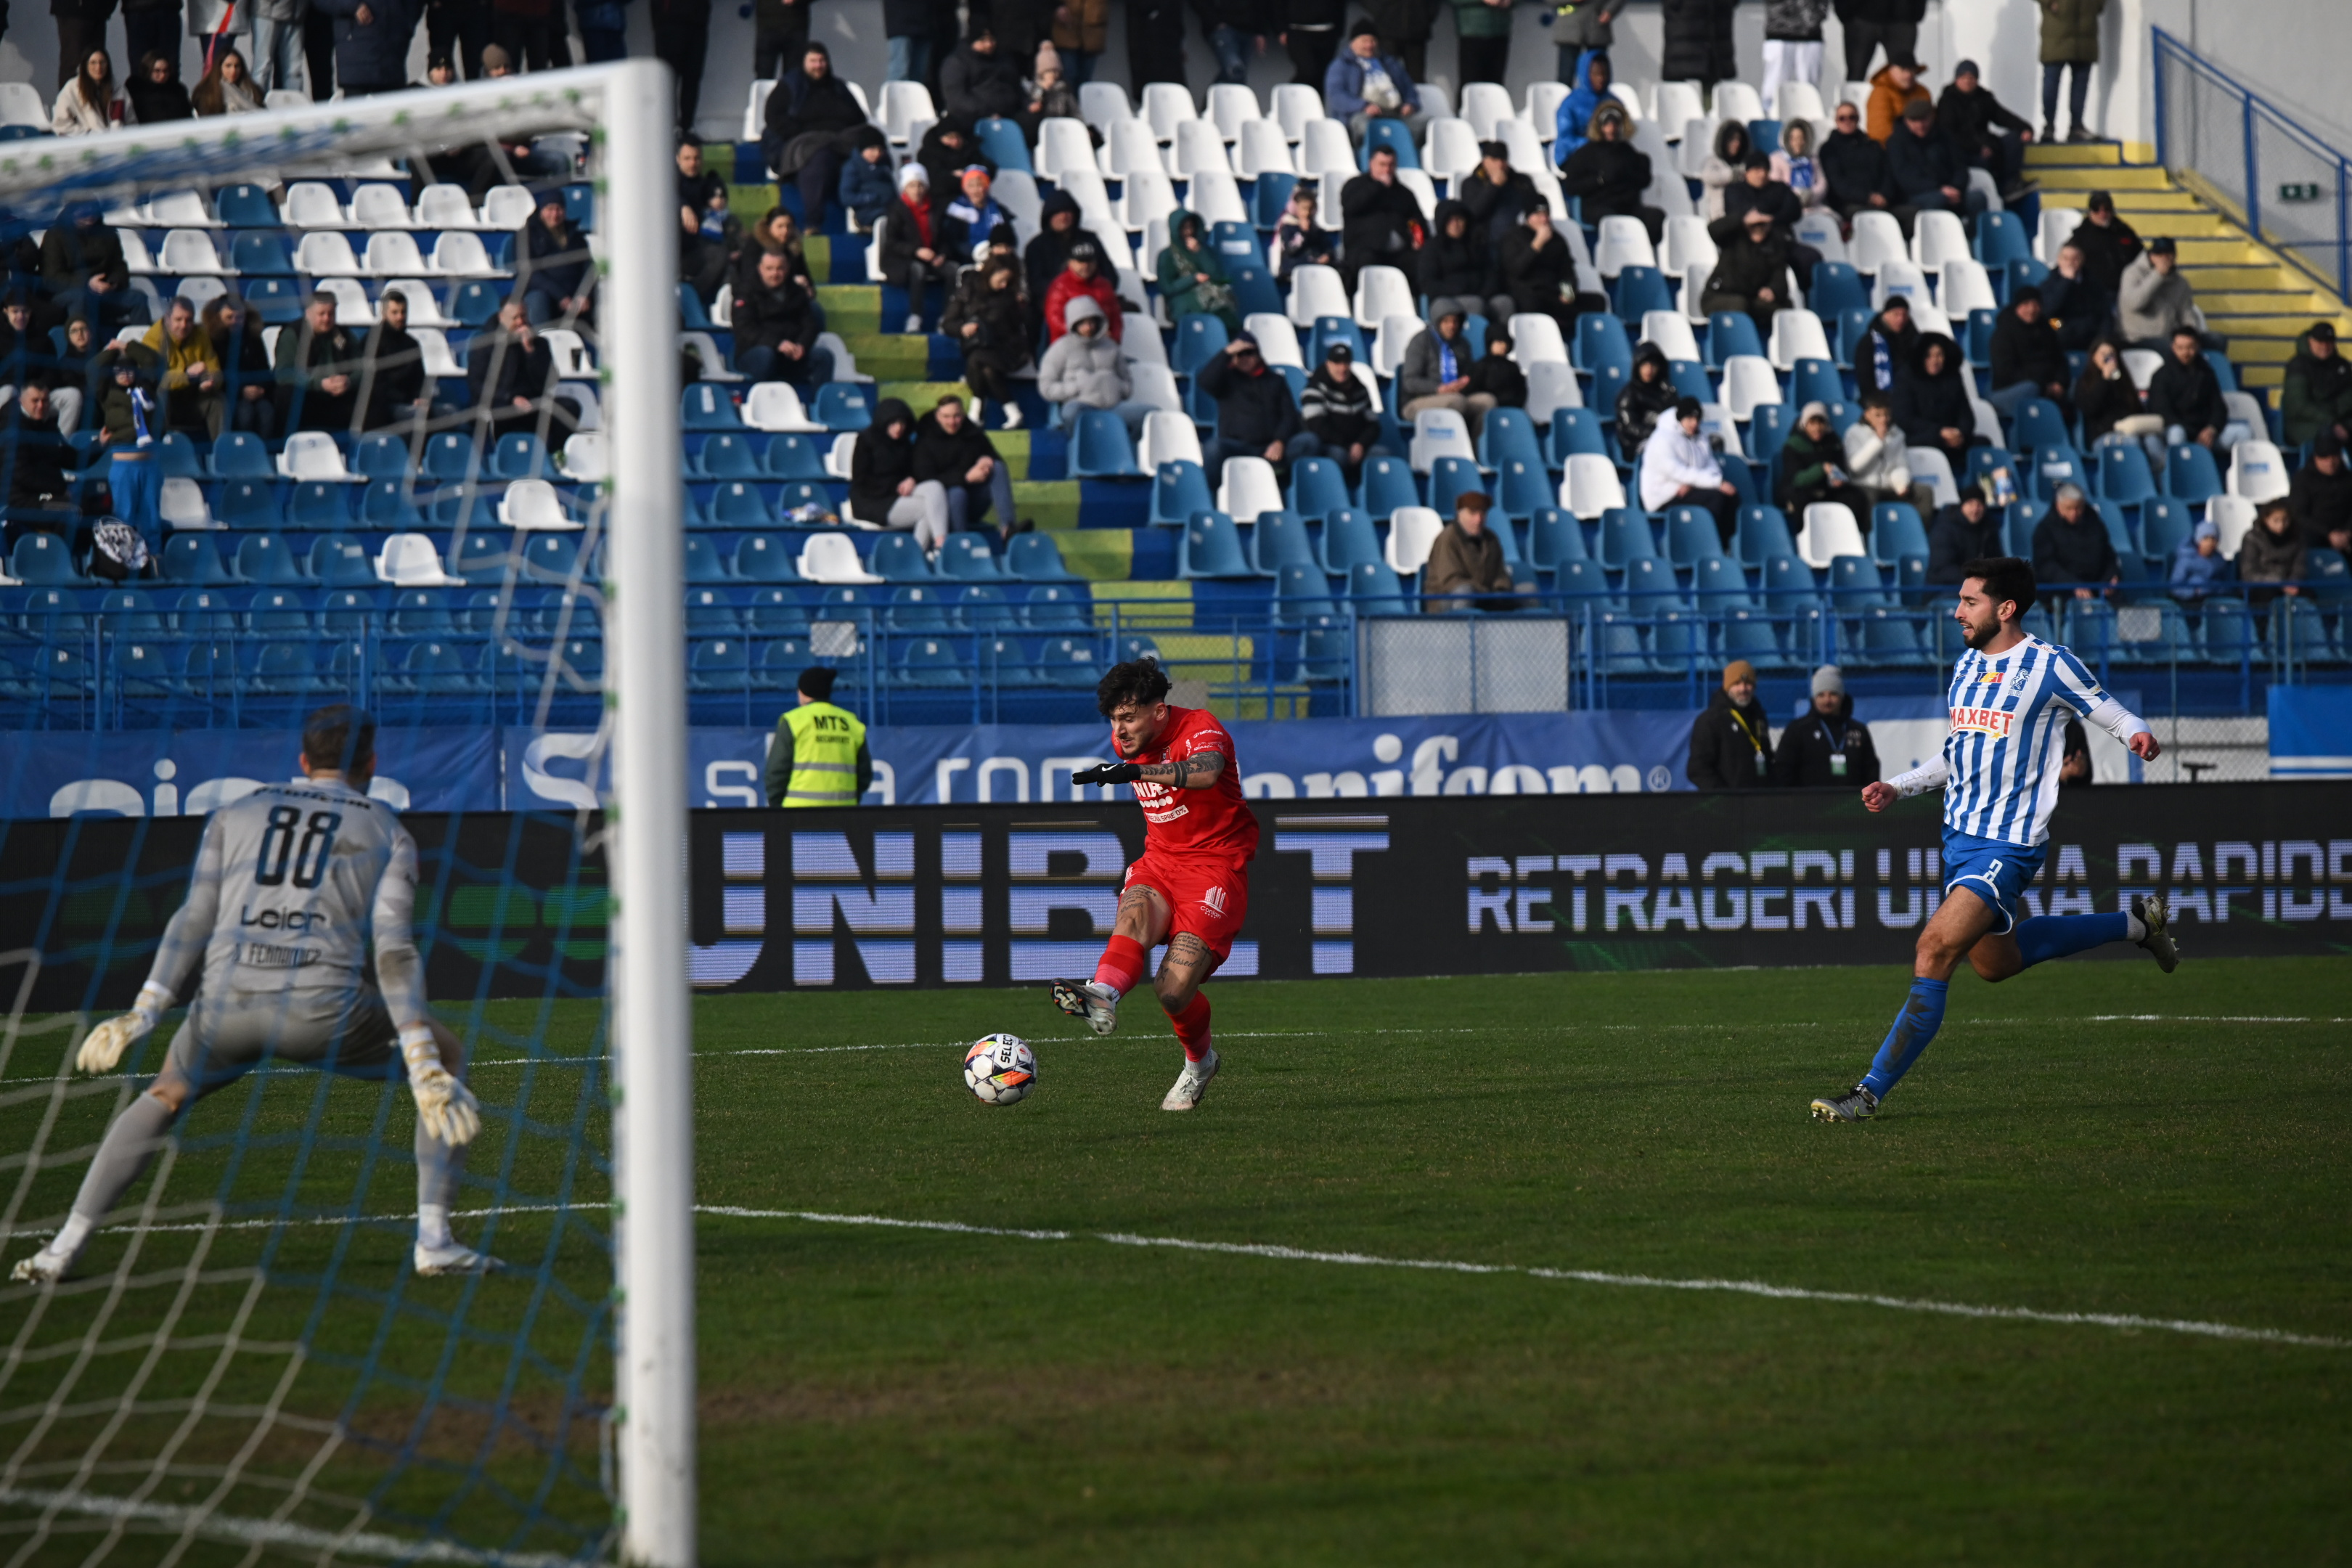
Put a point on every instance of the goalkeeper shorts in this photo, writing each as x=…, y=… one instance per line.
x=348, y=1032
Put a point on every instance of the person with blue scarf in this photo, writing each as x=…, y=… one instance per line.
x=1576, y=111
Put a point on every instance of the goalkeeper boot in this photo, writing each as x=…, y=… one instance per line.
x=2150, y=911
x=44, y=1267
x=1191, y=1084
x=1859, y=1106
x=1089, y=999
x=456, y=1257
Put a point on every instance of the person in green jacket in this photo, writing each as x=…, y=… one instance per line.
x=2316, y=399
x=2070, y=41
x=1192, y=277
x=819, y=749
x=1484, y=29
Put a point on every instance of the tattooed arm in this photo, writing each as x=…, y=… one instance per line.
x=1185, y=772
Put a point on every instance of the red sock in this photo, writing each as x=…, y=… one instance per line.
x=1192, y=1027
x=1122, y=963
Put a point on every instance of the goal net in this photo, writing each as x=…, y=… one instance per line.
x=352, y=397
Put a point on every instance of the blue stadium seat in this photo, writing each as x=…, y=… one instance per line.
x=1035, y=558
x=920, y=607
x=1601, y=340
x=1386, y=484
x=1452, y=477
x=1280, y=539
x=2223, y=371
x=449, y=459
x=346, y=612
x=792, y=455
x=1889, y=637
x=175, y=455
x=1895, y=531
x=704, y=406
x=1393, y=135
x=896, y=558
x=1271, y=198
x=702, y=562
x=2124, y=476
x=555, y=558
x=1718, y=584
x=760, y=559
x=965, y=557
x=1763, y=533
x=1001, y=141
x=1730, y=333
x=2018, y=526
x=42, y=559
x=47, y=612
x=719, y=664
x=520, y=455
x=2165, y=524
x=1198, y=338
x=1678, y=644
x=1348, y=537
x=985, y=607
x=844, y=405
x=1649, y=586
x=2039, y=422
x=1057, y=606
x=1582, y=581
x=1329, y=329
x=1813, y=381
x=1691, y=536
x=264, y=558
x=207, y=612
x=1178, y=490
x=1847, y=326
x=1318, y=487
x=1374, y=590
x=1509, y=433
x=1626, y=535
x=274, y=301
x=1690, y=380
x=1068, y=664
x=1101, y=448
x=776, y=612
x=244, y=205
x=247, y=504
x=1639, y=290
x=260, y=253
x=473, y=304
x=1576, y=431
x=190, y=558
x=319, y=504
x=932, y=664
x=2190, y=474
x=339, y=560
x=1978, y=348
x=419, y=613
x=737, y=504
x=2119, y=534
x=730, y=456
x=241, y=456
x=2053, y=467
x=2000, y=238
x=1302, y=596
x=482, y=558
x=1211, y=547
x=1854, y=582
x=286, y=669
x=1787, y=582
x=387, y=504
x=1554, y=538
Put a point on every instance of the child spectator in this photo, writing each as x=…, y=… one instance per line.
x=866, y=185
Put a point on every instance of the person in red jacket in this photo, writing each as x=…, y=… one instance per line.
x=1083, y=273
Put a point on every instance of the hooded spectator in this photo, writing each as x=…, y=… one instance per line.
x=1496, y=374
x=1458, y=270
x=2110, y=404
x=1338, y=411
x=1297, y=241
x=883, y=489
x=1854, y=167
x=1192, y=278
x=982, y=80
x=1084, y=273
x=1496, y=196
x=1679, y=468
x=775, y=331
x=948, y=149
x=1969, y=531
x=1467, y=559
x=1576, y=111
x=2070, y=545
x=1931, y=401
x=2187, y=396
x=2316, y=399
x=1540, y=273
x=156, y=93
x=1365, y=82
x=2075, y=304
x=1826, y=748
x=2155, y=298
x=1379, y=221
x=2108, y=244
x=988, y=320
x=812, y=129
x=1698, y=42
x=1812, y=463
x=1647, y=396
x=1059, y=226
x=1435, y=372
x=1751, y=269
x=1987, y=135
x=1256, y=416
x=2198, y=568
x=1926, y=169
x=953, y=450
x=922, y=245
x=1723, y=166
x=1609, y=176
x=1730, y=743
x=1084, y=368
x=1888, y=344
x=2320, y=499
x=1891, y=91
x=2027, y=361
x=1796, y=166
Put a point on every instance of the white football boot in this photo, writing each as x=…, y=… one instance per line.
x=1192, y=1083
x=44, y=1267
x=454, y=1258
x=1089, y=999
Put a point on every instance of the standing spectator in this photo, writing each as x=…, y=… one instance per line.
x=2075, y=305
x=2320, y=499
x=1931, y=401
x=1483, y=28
x=1987, y=135
x=1730, y=743
x=1813, y=462
x=2108, y=244
x=1698, y=42
x=555, y=271
x=1584, y=100
x=1611, y=176
x=319, y=50
x=1155, y=42
x=2070, y=42
x=920, y=243
x=1337, y=410
x=534, y=34
x=1457, y=270
x=189, y=372
x=1727, y=157
x=227, y=89
x=1795, y=167
x=1466, y=570
x=709, y=232
x=883, y=490
x=1496, y=196
x=1871, y=23
x=1379, y=221
x=248, y=386
x=372, y=43
x=780, y=32
x=81, y=33
x=1084, y=368
x=956, y=452
x=1296, y=241
x=318, y=366
x=1081, y=28
x=2272, y=554
x=1970, y=531
x=2110, y=404
x=1926, y=171
x=908, y=25
x=1891, y=92
x=1083, y=275
x=1256, y=416
x=1793, y=46
x=1885, y=346
x=1191, y=275
x=775, y=331
x=989, y=322
x=2027, y=359
x=1496, y=374
x=1646, y=397
x=155, y=92
x=1310, y=33
x=2187, y=396
x=811, y=125
x=513, y=380
x=1578, y=26
x=1403, y=28
x=1435, y=372
x=603, y=30
x=1826, y=748
x=1854, y=167
x=153, y=27
x=278, y=45
x=1751, y=269
x=1059, y=231
x=2071, y=545
x=2156, y=300
x=1679, y=468
x=980, y=81
x=456, y=30
x=215, y=24
x=129, y=430
x=1366, y=82
x=682, y=42
x=393, y=383
x=88, y=103
x=1878, y=463
x=2198, y=569
x=2316, y=399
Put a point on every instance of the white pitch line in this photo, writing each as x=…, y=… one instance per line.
x=276, y=1533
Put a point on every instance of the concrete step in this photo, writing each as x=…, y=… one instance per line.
x=1149, y=605
x=2210, y=278
x=2263, y=375
x=2086, y=180
x=2069, y=154
x=2301, y=303
x=2243, y=326
x=2226, y=249
x=2261, y=350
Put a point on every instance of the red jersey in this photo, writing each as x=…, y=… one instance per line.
x=1212, y=821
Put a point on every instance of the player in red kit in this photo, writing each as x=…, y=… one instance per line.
x=1191, y=886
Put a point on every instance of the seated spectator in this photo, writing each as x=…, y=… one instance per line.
x=776, y=232
x=775, y=331
x=1497, y=196
x=2108, y=243
x=1795, y=167
x=249, y=386
x=1826, y=748
x=1609, y=176
x=228, y=87
x=948, y=149
x=1083, y=275
x=2155, y=299
x=1722, y=168
x=922, y=245
x=1679, y=468
x=2272, y=554
x=883, y=489
x=88, y=103
x=1458, y=269
x=1854, y=168
x=83, y=270
x=812, y=129
x=1589, y=91
x=129, y=427
x=1893, y=91
x=393, y=383
x=2320, y=498
x=1467, y=559
x=1379, y=221
x=1646, y=396
x=974, y=206
x=1751, y=269
x=865, y=188
x=1969, y=531
x=1296, y=241
x=319, y=362
x=512, y=379
x=1338, y=411
x=2110, y=404
x=2187, y=396
x=156, y=93
x=980, y=81
x=191, y=372
x=1931, y=401
x=1059, y=228
x=1057, y=99
x=554, y=271
x=2071, y=545
x=2027, y=361
x=957, y=454
x=1889, y=342
x=1540, y=273
x=1363, y=85
x=1927, y=173
x=2316, y=398
x=1496, y=374
x=1755, y=190
x=1193, y=280
x=709, y=235
x=25, y=362
x=1730, y=742
x=40, y=463
x=1084, y=368
x=2075, y=305
x=1812, y=463
x=1435, y=372
x=1256, y=416
x=1986, y=135
x=2198, y=569
x=989, y=322
x=1878, y=463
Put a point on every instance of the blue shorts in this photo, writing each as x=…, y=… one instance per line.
x=1994, y=871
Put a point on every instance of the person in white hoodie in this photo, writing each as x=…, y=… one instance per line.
x=1084, y=368
x=1679, y=469
x=1878, y=463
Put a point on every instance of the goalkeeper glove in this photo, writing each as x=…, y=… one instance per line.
x=104, y=1046
x=446, y=1107
x=1108, y=773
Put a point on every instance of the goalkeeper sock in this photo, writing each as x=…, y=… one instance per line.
x=1122, y=964
x=123, y=1156
x=1192, y=1027
x=2057, y=936
x=1922, y=1015
x=438, y=1166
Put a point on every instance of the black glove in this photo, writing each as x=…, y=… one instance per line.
x=1108, y=773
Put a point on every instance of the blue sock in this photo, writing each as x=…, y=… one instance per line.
x=1922, y=1015
x=2057, y=936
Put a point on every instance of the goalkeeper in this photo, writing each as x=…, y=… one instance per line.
x=291, y=885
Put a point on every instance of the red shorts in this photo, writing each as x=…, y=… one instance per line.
x=1207, y=894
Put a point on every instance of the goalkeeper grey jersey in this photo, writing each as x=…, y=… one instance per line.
x=293, y=886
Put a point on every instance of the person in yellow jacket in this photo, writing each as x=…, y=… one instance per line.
x=819, y=757
x=190, y=372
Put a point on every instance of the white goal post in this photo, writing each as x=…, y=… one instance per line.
x=626, y=110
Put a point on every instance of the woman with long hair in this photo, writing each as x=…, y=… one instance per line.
x=156, y=93
x=88, y=103
x=779, y=232
x=228, y=87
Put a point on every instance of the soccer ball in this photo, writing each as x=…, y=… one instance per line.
x=1001, y=1069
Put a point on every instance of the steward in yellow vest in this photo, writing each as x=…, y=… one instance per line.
x=819, y=757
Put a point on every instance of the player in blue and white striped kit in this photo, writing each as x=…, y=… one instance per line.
x=2012, y=695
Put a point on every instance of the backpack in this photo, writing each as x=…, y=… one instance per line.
x=118, y=550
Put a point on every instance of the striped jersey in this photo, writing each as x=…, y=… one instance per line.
x=2009, y=735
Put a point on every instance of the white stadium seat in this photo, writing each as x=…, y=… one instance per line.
x=393, y=253
x=1315, y=291
x=1551, y=387
x=409, y=561
x=903, y=103
x=1166, y=105
x=190, y=251
x=1929, y=467
x=1676, y=104
x=1483, y=103
x=533, y=506
x=1439, y=433
x=1395, y=335
x=1938, y=237
x=1231, y=106
x=1800, y=100
x=1103, y=103
x=755, y=110
x=2058, y=227
x=1413, y=534
x=1217, y=197
x=1277, y=340
x=1749, y=381
x=446, y=207
x=460, y=254
x=376, y=206
x=1540, y=114
x=1198, y=147
x=1966, y=287
x=352, y=307
x=831, y=559
x=774, y=406
x=1451, y=148
x=1261, y=150
x=1382, y=292
x=1589, y=485
x=1688, y=246
x=181, y=209
x=1535, y=340
x=508, y=207
x=1828, y=533
x=1671, y=331
x=1877, y=239
x=1798, y=334
x=1248, y=489
x=1900, y=277
x=1170, y=439
x=1820, y=230
x=2234, y=516
x=433, y=347
x=1424, y=189
x=1623, y=243
x=1324, y=143
x=1737, y=100
x=2257, y=472
x=1697, y=143
x=1129, y=149
x=1063, y=143
x=313, y=455
x=312, y=205
x=1296, y=105
x=1522, y=149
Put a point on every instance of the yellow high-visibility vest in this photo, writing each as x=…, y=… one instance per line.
x=825, y=740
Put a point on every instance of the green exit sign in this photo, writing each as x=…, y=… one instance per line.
x=2305, y=193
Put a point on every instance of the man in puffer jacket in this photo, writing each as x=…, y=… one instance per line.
x=372, y=43
x=1086, y=369
x=1698, y=42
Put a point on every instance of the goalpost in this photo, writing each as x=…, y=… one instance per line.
x=455, y=1422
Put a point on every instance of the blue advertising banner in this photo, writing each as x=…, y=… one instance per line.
x=173, y=772
x=2311, y=731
